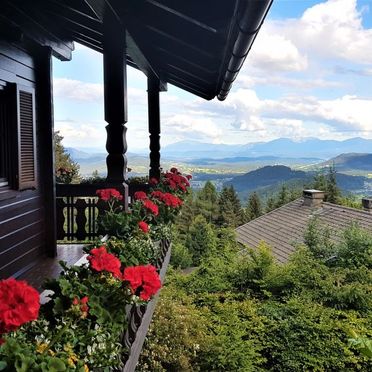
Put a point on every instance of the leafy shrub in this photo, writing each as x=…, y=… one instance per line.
x=180, y=257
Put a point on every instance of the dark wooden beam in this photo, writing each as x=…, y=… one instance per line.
x=44, y=99
x=35, y=30
x=153, y=90
x=105, y=8
x=143, y=63
x=185, y=17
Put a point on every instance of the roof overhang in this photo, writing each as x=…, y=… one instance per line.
x=196, y=45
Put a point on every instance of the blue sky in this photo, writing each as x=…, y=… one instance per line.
x=309, y=74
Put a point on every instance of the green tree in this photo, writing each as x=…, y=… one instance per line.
x=320, y=182
x=66, y=169
x=230, y=209
x=206, y=202
x=254, y=207
x=270, y=204
x=283, y=197
x=181, y=257
x=201, y=240
x=333, y=192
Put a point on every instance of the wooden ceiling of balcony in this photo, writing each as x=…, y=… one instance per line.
x=196, y=45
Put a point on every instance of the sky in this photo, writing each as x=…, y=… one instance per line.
x=309, y=74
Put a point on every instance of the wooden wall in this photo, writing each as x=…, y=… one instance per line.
x=22, y=213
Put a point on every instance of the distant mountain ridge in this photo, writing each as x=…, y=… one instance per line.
x=271, y=177
x=351, y=161
x=282, y=147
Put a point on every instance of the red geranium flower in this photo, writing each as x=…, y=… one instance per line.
x=174, y=170
x=157, y=194
x=144, y=281
x=171, y=200
x=140, y=195
x=151, y=207
x=189, y=177
x=153, y=181
x=19, y=304
x=107, y=194
x=101, y=260
x=143, y=226
x=82, y=304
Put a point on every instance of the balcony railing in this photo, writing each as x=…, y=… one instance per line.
x=78, y=208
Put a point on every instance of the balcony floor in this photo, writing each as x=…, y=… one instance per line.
x=49, y=267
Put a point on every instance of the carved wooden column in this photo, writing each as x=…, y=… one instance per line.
x=154, y=125
x=115, y=96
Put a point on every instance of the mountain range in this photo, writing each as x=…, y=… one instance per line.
x=282, y=147
x=351, y=161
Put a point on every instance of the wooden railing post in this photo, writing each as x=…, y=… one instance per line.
x=154, y=125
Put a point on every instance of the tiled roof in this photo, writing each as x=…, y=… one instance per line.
x=282, y=228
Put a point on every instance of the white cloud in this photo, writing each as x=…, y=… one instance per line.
x=191, y=126
x=332, y=29
x=272, y=51
x=77, y=90
x=77, y=134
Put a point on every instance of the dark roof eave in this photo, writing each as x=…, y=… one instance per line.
x=248, y=24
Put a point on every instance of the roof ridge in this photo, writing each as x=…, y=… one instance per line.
x=338, y=206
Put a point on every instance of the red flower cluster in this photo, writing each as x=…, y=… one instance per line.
x=144, y=281
x=82, y=303
x=153, y=181
x=144, y=226
x=101, y=260
x=140, y=195
x=19, y=304
x=167, y=198
x=107, y=194
x=175, y=180
x=151, y=207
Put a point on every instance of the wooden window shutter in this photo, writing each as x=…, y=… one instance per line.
x=26, y=138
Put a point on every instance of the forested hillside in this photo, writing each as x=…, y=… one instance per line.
x=269, y=179
x=235, y=311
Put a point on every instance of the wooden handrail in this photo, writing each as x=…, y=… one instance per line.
x=78, y=208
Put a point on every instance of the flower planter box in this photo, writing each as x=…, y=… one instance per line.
x=139, y=316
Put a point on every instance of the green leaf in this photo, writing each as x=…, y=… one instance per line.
x=56, y=364
x=3, y=365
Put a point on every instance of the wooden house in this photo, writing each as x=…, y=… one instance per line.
x=198, y=46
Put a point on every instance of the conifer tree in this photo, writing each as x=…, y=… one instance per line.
x=320, y=182
x=333, y=192
x=63, y=162
x=230, y=209
x=270, y=204
x=283, y=197
x=206, y=202
x=254, y=207
x=201, y=239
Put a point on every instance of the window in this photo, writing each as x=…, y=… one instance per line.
x=17, y=137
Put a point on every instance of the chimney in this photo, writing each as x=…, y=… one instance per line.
x=367, y=204
x=313, y=198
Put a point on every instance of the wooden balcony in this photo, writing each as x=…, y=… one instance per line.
x=77, y=210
